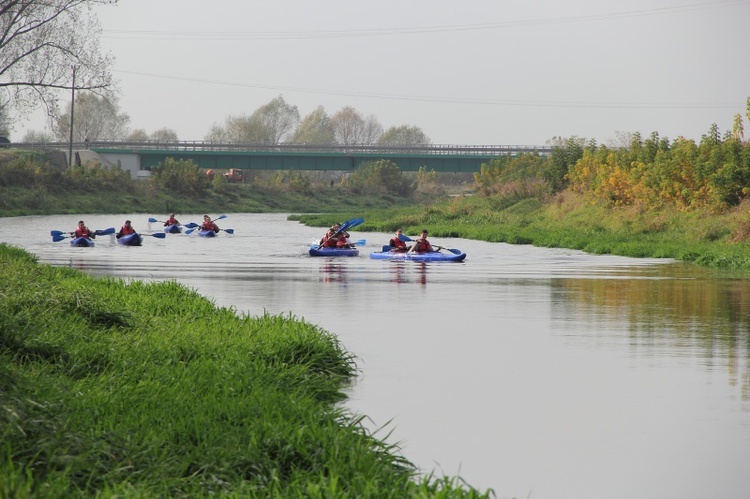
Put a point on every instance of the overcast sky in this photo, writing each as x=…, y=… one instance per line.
x=471, y=72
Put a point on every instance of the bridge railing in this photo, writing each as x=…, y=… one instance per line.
x=200, y=145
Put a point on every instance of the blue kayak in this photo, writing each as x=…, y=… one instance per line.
x=207, y=233
x=431, y=256
x=173, y=229
x=133, y=239
x=314, y=251
x=82, y=242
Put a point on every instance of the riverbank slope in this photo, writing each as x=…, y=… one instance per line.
x=150, y=390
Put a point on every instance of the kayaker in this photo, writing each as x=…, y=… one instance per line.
x=396, y=244
x=171, y=220
x=331, y=238
x=83, y=231
x=421, y=245
x=209, y=224
x=125, y=230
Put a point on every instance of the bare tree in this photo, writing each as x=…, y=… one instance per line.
x=277, y=119
x=40, y=43
x=350, y=128
x=137, y=135
x=95, y=118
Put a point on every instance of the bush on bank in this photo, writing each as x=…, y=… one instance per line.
x=149, y=390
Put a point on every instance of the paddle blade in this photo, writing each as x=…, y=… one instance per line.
x=228, y=231
x=454, y=251
x=152, y=220
x=190, y=231
x=405, y=238
x=54, y=233
x=158, y=235
x=191, y=225
x=58, y=238
x=104, y=232
x=220, y=217
x=360, y=242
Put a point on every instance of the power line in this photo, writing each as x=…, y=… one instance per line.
x=453, y=100
x=358, y=33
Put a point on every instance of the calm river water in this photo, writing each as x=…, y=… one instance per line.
x=541, y=373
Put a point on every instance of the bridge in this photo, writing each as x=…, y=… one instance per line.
x=141, y=157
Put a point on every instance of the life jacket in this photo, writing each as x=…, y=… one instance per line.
x=82, y=232
x=125, y=230
x=330, y=241
x=397, y=243
x=210, y=226
x=422, y=246
x=171, y=221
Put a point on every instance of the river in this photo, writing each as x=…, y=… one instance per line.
x=540, y=373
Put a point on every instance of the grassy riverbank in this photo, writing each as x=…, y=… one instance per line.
x=717, y=240
x=149, y=390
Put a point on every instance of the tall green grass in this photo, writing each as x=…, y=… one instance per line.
x=150, y=390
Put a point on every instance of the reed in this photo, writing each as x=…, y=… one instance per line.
x=150, y=390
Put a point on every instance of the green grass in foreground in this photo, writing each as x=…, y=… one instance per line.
x=712, y=240
x=149, y=390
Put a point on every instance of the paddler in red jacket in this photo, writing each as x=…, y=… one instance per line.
x=396, y=244
x=83, y=231
x=421, y=245
x=125, y=230
x=209, y=224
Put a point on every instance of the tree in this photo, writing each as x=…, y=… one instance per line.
x=137, y=135
x=737, y=129
x=269, y=124
x=95, y=118
x=5, y=119
x=277, y=119
x=315, y=128
x=37, y=137
x=40, y=43
x=404, y=136
x=164, y=135
x=350, y=128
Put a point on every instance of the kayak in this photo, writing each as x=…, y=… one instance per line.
x=133, y=239
x=82, y=242
x=432, y=256
x=173, y=229
x=314, y=251
x=207, y=233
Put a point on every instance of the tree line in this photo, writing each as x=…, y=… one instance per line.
x=653, y=173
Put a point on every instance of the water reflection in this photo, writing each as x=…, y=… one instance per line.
x=690, y=318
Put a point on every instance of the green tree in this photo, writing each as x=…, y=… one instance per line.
x=180, y=176
x=404, y=135
x=565, y=154
x=383, y=177
x=95, y=118
x=315, y=128
x=737, y=128
x=40, y=42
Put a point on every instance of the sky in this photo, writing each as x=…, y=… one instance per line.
x=476, y=72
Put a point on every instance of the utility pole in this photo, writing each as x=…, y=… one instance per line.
x=72, y=108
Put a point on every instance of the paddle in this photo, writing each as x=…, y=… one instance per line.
x=190, y=231
x=98, y=232
x=157, y=235
x=193, y=225
x=346, y=226
x=407, y=239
